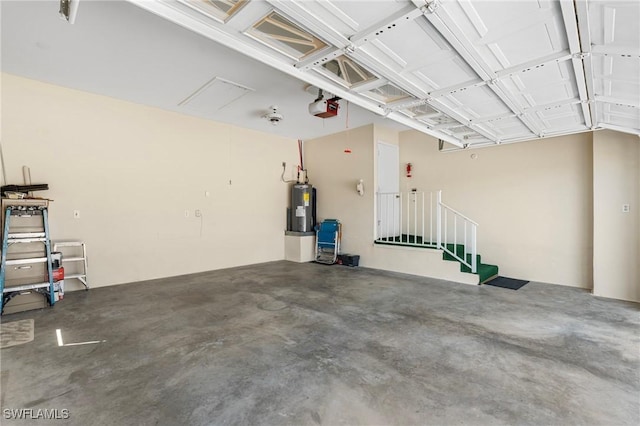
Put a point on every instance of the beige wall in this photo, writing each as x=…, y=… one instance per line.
x=335, y=174
x=384, y=134
x=132, y=171
x=616, y=235
x=532, y=201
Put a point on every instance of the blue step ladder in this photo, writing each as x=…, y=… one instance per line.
x=9, y=239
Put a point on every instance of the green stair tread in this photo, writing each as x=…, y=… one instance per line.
x=485, y=271
x=447, y=256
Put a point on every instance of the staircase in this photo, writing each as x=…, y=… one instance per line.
x=423, y=220
x=484, y=270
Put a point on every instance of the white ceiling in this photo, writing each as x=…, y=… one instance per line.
x=119, y=50
x=475, y=73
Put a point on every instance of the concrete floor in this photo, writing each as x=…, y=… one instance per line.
x=283, y=343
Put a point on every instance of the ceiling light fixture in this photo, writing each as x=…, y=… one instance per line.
x=273, y=116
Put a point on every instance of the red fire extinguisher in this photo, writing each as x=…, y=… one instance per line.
x=408, y=170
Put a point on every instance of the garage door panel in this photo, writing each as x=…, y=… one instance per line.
x=402, y=41
x=616, y=77
x=508, y=33
x=561, y=117
x=448, y=73
x=478, y=102
x=510, y=127
x=619, y=115
x=386, y=56
x=544, y=84
x=346, y=18
x=436, y=67
x=614, y=24
x=365, y=13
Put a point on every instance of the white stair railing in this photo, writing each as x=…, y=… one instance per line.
x=452, y=221
x=407, y=218
x=422, y=219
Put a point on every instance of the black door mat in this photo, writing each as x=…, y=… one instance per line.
x=504, y=282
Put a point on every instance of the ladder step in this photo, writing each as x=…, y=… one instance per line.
x=25, y=240
x=26, y=261
x=27, y=235
x=25, y=287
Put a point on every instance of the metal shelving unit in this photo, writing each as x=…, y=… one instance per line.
x=79, y=256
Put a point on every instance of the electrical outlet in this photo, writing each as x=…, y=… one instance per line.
x=198, y=213
x=284, y=164
x=76, y=214
x=626, y=208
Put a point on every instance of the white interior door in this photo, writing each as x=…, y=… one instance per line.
x=388, y=198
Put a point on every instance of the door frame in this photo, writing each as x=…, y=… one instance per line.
x=377, y=184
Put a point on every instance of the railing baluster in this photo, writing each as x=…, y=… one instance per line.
x=408, y=219
x=465, y=241
x=446, y=228
x=388, y=217
x=379, y=233
x=474, y=266
x=415, y=218
x=439, y=220
x=431, y=217
x=380, y=198
x=455, y=233
x=423, y=218
x=394, y=212
x=400, y=217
